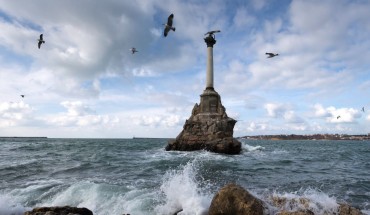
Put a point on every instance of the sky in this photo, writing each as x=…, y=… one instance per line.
x=85, y=83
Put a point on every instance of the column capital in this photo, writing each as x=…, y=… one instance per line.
x=210, y=40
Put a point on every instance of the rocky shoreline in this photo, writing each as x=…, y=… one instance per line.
x=231, y=199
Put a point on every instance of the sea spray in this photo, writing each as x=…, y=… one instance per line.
x=249, y=148
x=308, y=199
x=9, y=206
x=181, y=190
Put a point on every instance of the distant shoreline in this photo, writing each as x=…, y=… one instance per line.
x=309, y=137
x=23, y=137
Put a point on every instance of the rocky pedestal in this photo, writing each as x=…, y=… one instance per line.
x=208, y=128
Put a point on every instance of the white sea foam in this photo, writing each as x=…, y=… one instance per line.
x=309, y=199
x=99, y=198
x=181, y=191
x=9, y=206
x=250, y=148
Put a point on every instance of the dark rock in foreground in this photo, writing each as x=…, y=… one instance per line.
x=234, y=200
x=65, y=210
x=208, y=128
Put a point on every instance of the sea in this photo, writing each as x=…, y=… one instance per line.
x=138, y=177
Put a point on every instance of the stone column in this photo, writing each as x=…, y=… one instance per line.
x=208, y=128
x=210, y=40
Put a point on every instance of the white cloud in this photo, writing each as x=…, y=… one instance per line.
x=323, y=56
x=171, y=120
x=76, y=108
x=254, y=126
x=242, y=19
x=285, y=112
x=320, y=111
x=275, y=110
x=337, y=115
x=15, y=113
x=142, y=72
x=80, y=115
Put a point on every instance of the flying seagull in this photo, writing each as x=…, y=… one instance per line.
x=363, y=109
x=168, y=25
x=270, y=55
x=133, y=50
x=22, y=96
x=41, y=40
x=338, y=117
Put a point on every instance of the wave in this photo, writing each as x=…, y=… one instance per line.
x=181, y=191
x=249, y=148
x=162, y=183
x=309, y=199
x=10, y=206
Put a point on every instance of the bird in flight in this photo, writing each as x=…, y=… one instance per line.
x=41, y=41
x=338, y=117
x=133, y=50
x=270, y=55
x=168, y=25
x=363, y=109
x=22, y=96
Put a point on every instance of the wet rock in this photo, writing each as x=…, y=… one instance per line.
x=290, y=204
x=345, y=209
x=235, y=200
x=64, y=210
x=301, y=206
x=208, y=128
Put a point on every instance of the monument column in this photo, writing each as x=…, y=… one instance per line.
x=208, y=128
x=210, y=40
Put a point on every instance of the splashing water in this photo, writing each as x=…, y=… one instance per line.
x=250, y=148
x=182, y=191
x=309, y=199
x=9, y=206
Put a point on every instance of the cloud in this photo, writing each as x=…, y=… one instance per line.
x=285, y=112
x=320, y=111
x=142, y=72
x=15, y=114
x=254, y=126
x=80, y=115
x=242, y=19
x=171, y=120
x=77, y=108
x=275, y=110
x=337, y=115
x=323, y=56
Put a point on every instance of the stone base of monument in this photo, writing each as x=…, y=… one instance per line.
x=208, y=128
